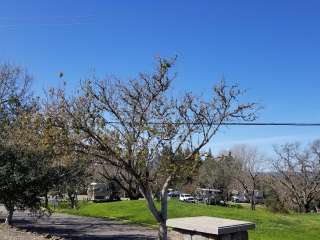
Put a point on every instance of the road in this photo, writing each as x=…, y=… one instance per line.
x=81, y=228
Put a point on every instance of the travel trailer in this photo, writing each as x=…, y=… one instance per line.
x=209, y=196
x=102, y=192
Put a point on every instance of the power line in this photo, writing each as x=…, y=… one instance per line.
x=292, y=124
x=273, y=124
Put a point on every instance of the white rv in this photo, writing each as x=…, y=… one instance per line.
x=103, y=192
x=97, y=192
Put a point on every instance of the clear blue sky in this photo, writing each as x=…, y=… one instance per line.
x=271, y=48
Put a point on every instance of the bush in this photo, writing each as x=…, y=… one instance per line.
x=273, y=202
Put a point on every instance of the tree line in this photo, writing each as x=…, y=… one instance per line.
x=290, y=179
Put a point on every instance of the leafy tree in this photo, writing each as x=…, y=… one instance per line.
x=73, y=177
x=218, y=172
x=20, y=178
x=16, y=185
x=25, y=159
x=186, y=177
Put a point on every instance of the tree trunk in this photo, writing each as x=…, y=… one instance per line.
x=9, y=217
x=133, y=194
x=253, y=203
x=46, y=201
x=134, y=197
x=158, y=216
x=161, y=216
x=307, y=207
x=163, y=231
x=133, y=191
x=72, y=198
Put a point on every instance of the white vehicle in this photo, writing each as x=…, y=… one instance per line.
x=186, y=198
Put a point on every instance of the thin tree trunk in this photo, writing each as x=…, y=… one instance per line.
x=253, y=204
x=306, y=207
x=73, y=203
x=148, y=195
x=163, y=231
x=72, y=198
x=301, y=208
x=134, y=197
x=161, y=216
x=9, y=217
x=46, y=201
x=158, y=216
x=133, y=194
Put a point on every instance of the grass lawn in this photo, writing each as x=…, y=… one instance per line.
x=268, y=225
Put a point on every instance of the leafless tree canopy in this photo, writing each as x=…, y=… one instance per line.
x=298, y=172
x=128, y=123
x=248, y=169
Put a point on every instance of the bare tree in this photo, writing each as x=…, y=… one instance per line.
x=298, y=172
x=128, y=124
x=247, y=169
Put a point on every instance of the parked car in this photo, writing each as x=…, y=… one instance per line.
x=186, y=198
x=239, y=199
x=211, y=200
x=199, y=199
x=258, y=197
x=259, y=200
x=173, y=194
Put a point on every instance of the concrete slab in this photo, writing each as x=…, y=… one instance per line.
x=210, y=225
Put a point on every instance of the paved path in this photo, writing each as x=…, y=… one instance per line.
x=83, y=228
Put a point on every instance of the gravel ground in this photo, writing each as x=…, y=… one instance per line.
x=12, y=233
x=67, y=227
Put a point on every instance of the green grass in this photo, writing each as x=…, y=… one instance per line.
x=268, y=225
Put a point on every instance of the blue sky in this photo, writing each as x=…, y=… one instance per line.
x=271, y=48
